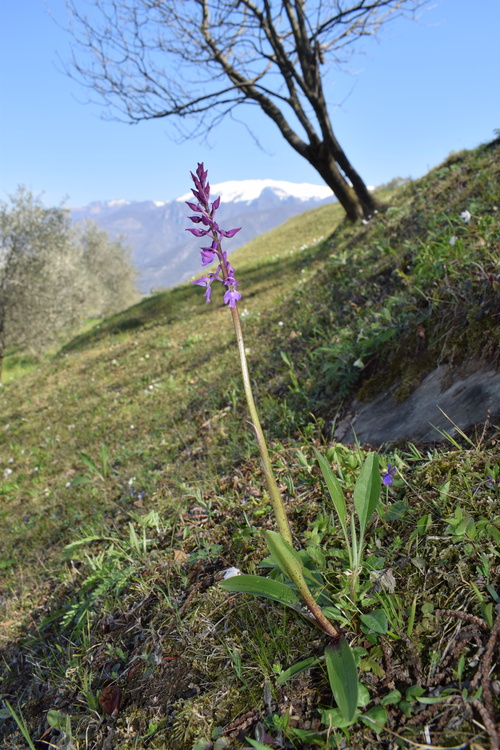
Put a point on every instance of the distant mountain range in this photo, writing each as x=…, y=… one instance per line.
x=166, y=254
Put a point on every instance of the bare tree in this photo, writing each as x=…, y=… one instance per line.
x=201, y=59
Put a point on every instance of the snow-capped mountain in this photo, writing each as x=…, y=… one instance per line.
x=166, y=254
x=247, y=191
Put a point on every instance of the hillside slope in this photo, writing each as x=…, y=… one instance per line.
x=132, y=446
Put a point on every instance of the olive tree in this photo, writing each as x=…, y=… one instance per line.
x=53, y=276
x=201, y=59
x=108, y=272
x=40, y=293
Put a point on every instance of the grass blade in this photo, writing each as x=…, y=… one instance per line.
x=300, y=666
x=21, y=723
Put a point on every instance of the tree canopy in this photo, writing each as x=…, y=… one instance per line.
x=201, y=59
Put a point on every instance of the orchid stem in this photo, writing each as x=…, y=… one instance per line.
x=274, y=493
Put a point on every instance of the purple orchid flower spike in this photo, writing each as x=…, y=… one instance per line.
x=204, y=215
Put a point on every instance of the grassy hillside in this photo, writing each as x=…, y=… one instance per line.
x=130, y=481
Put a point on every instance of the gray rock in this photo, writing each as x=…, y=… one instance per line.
x=446, y=399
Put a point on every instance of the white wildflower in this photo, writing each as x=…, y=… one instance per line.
x=466, y=216
x=231, y=572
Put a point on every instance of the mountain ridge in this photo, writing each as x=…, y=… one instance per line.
x=165, y=255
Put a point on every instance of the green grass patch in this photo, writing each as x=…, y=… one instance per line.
x=130, y=481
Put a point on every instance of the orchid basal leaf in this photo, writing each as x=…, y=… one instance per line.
x=343, y=677
x=286, y=558
x=334, y=489
x=367, y=491
x=259, y=586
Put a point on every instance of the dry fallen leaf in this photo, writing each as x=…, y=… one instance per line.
x=180, y=556
x=110, y=699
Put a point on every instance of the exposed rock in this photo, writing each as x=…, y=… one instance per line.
x=446, y=399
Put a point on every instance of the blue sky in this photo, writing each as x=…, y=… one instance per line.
x=424, y=90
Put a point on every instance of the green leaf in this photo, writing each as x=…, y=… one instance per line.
x=77, y=481
x=367, y=491
x=376, y=621
x=90, y=464
x=72, y=546
x=414, y=691
x=221, y=743
x=258, y=586
x=438, y=699
x=332, y=717
x=257, y=745
x=288, y=560
x=363, y=696
x=297, y=668
x=334, y=490
x=378, y=716
x=57, y=720
x=393, y=697
x=396, y=510
x=316, y=554
x=284, y=554
x=104, y=459
x=343, y=677
x=267, y=562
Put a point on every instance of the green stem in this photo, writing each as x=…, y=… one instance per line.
x=294, y=571
x=274, y=493
x=326, y=625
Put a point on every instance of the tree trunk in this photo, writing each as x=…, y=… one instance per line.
x=364, y=196
x=355, y=198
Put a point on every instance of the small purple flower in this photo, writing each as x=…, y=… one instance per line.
x=231, y=297
x=387, y=477
x=206, y=281
x=208, y=254
x=205, y=216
